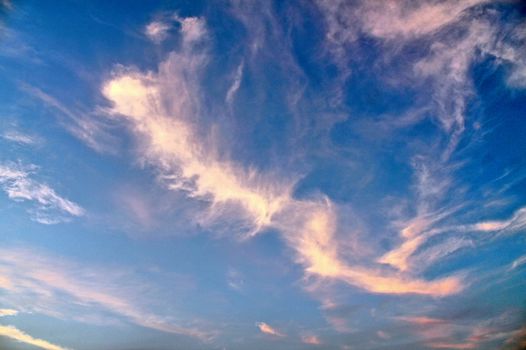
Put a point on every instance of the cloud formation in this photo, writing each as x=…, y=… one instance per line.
x=359, y=159
x=163, y=123
x=50, y=208
x=162, y=108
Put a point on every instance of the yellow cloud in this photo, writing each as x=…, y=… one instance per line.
x=8, y=312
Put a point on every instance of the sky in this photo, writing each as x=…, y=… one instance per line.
x=231, y=174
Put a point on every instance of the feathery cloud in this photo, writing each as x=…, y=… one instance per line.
x=236, y=83
x=20, y=138
x=168, y=139
x=88, y=128
x=51, y=208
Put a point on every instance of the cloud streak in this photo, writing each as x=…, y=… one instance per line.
x=17, y=182
x=16, y=334
x=55, y=285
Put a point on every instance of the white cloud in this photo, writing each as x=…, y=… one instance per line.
x=406, y=19
x=516, y=222
x=20, y=138
x=236, y=83
x=193, y=29
x=157, y=31
x=518, y=262
x=16, y=181
x=267, y=329
x=18, y=335
x=162, y=109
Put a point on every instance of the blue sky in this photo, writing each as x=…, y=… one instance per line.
x=254, y=174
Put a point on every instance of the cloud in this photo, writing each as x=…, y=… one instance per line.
x=441, y=345
x=162, y=109
x=383, y=335
x=310, y=228
x=406, y=19
x=64, y=289
x=418, y=232
x=169, y=140
x=193, y=29
x=441, y=333
x=16, y=181
x=421, y=320
x=8, y=312
x=518, y=262
x=236, y=83
x=267, y=329
x=157, y=31
x=513, y=224
x=18, y=335
x=87, y=127
x=310, y=339
x=20, y=138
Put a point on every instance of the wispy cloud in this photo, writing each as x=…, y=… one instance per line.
x=8, y=312
x=56, y=285
x=267, y=329
x=236, y=83
x=90, y=129
x=168, y=139
x=405, y=19
x=440, y=333
x=17, y=182
x=518, y=262
x=20, y=138
x=18, y=335
x=157, y=30
x=513, y=224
